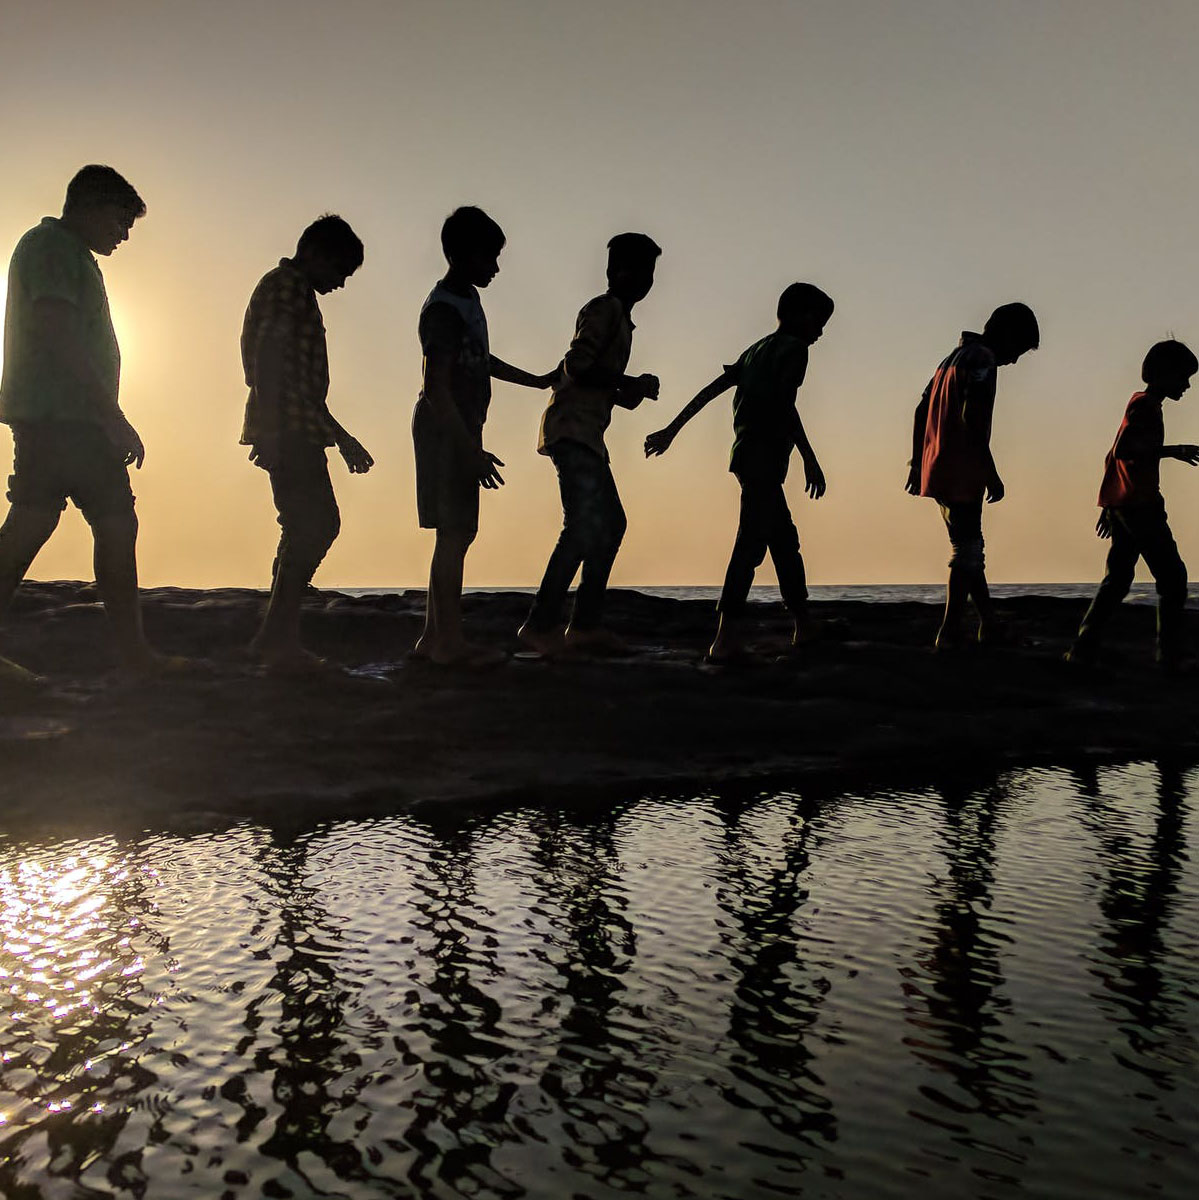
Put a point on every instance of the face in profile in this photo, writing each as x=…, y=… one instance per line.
x=105, y=227
x=330, y=274
x=1176, y=386
x=480, y=267
x=633, y=280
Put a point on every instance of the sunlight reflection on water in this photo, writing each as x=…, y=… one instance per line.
x=989, y=987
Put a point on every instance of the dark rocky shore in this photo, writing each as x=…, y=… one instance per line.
x=872, y=704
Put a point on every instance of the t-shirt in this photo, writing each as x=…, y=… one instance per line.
x=955, y=467
x=52, y=263
x=764, y=417
x=455, y=324
x=580, y=407
x=1135, y=478
x=283, y=310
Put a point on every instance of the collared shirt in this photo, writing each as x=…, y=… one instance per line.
x=1135, y=477
x=52, y=263
x=580, y=407
x=954, y=467
x=765, y=421
x=283, y=310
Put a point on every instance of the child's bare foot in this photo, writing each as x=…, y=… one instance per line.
x=727, y=649
x=950, y=639
x=549, y=642
x=289, y=660
x=596, y=641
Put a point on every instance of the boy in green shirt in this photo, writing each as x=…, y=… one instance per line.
x=766, y=427
x=59, y=394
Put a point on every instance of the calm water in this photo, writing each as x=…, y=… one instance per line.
x=986, y=990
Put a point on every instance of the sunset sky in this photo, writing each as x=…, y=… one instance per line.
x=921, y=161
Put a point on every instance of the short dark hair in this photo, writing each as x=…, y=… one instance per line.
x=94, y=185
x=801, y=298
x=1014, y=323
x=1166, y=360
x=632, y=250
x=469, y=230
x=332, y=235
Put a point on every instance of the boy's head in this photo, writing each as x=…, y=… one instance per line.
x=804, y=311
x=330, y=252
x=1011, y=330
x=472, y=242
x=101, y=206
x=1168, y=368
x=631, y=261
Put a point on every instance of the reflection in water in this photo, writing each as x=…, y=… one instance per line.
x=656, y=999
x=776, y=995
x=955, y=989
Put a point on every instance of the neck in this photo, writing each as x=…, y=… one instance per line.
x=456, y=280
x=76, y=224
x=1153, y=393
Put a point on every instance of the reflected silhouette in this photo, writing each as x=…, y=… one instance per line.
x=597, y=1076
x=955, y=1001
x=777, y=996
x=1137, y=898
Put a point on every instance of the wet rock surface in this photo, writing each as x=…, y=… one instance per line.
x=227, y=740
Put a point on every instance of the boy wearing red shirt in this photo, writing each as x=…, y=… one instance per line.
x=951, y=457
x=1133, y=512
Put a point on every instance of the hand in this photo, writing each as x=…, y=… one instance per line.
x=912, y=486
x=814, y=483
x=647, y=386
x=1187, y=454
x=264, y=452
x=1103, y=527
x=127, y=443
x=994, y=489
x=355, y=455
x=486, y=465
x=659, y=442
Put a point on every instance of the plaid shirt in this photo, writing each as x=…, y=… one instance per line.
x=283, y=310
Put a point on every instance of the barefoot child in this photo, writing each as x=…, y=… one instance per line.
x=952, y=463
x=590, y=381
x=59, y=393
x=288, y=426
x=766, y=428
x=1133, y=512
x=447, y=427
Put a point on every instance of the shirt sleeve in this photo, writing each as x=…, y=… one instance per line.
x=733, y=370
x=440, y=329
x=594, y=330
x=49, y=271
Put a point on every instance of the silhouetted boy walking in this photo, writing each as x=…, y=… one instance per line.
x=952, y=463
x=62, y=371
x=447, y=426
x=288, y=426
x=1133, y=511
x=766, y=428
x=590, y=381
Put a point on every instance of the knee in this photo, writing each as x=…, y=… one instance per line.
x=114, y=527
x=1173, y=582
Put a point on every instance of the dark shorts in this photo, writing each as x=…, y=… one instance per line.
x=57, y=461
x=447, y=487
x=964, y=523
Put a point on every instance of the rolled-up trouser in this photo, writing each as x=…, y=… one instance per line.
x=593, y=526
x=1141, y=531
x=764, y=524
x=964, y=524
x=309, y=519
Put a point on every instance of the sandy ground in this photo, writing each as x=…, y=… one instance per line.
x=228, y=742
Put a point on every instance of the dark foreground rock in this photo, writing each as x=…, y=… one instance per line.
x=230, y=742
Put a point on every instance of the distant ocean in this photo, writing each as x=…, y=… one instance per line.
x=877, y=593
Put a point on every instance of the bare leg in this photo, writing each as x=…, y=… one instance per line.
x=23, y=534
x=443, y=641
x=115, y=558
x=729, y=641
x=957, y=594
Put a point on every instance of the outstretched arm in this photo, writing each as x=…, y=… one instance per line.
x=506, y=373
x=659, y=442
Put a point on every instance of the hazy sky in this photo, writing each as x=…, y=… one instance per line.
x=921, y=161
